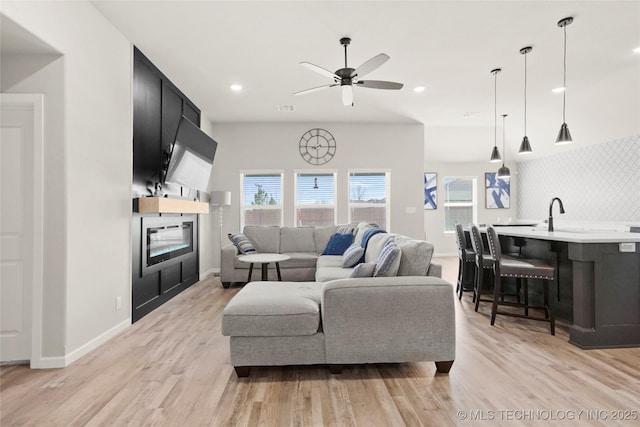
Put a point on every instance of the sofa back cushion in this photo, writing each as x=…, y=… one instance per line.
x=416, y=256
x=264, y=239
x=297, y=239
x=375, y=246
x=321, y=236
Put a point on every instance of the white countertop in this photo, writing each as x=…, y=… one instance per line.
x=574, y=235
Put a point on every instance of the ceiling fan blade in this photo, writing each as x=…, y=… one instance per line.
x=319, y=70
x=379, y=84
x=314, y=89
x=347, y=95
x=370, y=65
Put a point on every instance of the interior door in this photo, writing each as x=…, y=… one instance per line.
x=19, y=206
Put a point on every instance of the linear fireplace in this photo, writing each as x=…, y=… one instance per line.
x=165, y=240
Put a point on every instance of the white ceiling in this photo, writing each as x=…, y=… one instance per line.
x=448, y=46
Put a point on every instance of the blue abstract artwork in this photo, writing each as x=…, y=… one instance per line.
x=498, y=191
x=430, y=190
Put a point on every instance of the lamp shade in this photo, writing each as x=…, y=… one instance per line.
x=564, y=136
x=495, y=155
x=504, y=172
x=220, y=198
x=525, y=147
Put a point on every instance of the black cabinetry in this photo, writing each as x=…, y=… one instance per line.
x=158, y=106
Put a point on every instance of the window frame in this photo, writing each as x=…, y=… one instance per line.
x=473, y=203
x=312, y=172
x=258, y=172
x=387, y=204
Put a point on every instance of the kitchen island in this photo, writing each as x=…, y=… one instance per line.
x=598, y=280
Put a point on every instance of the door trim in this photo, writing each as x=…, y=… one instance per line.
x=35, y=103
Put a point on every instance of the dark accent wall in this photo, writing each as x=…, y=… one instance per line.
x=158, y=106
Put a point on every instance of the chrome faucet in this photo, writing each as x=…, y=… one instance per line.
x=551, y=211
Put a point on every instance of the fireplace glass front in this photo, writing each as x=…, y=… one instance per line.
x=168, y=242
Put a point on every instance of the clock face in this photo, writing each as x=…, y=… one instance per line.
x=317, y=146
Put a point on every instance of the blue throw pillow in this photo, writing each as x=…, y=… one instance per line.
x=338, y=243
x=352, y=255
x=243, y=244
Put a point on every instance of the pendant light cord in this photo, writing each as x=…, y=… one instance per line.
x=564, y=81
x=504, y=152
x=495, y=110
x=525, y=94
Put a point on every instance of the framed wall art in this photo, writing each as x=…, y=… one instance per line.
x=498, y=191
x=430, y=190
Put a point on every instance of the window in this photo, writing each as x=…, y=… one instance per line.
x=261, y=199
x=459, y=202
x=315, y=199
x=369, y=198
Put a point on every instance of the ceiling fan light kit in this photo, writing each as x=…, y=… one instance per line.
x=348, y=77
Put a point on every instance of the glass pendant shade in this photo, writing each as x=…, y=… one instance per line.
x=564, y=136
x=525, y=147
x=495, y=155
x=504, y=172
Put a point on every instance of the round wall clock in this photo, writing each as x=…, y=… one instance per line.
x=317, y=146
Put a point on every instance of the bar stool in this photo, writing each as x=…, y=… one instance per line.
x=521, y=268
x=466, y=260
x=483, y=261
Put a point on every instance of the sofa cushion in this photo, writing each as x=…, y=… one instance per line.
x=360, y=230
x=352, y=255
x=300, y=260
x=325, y=274
x=338, y=243
x=273, y=309
x=416, y=256
x=374, y=247
x=329, y=261
x=345, y=229
x=242, y=243
x=297, y=239
x=321, y=236
x=389, y=260
x=364, y=269
x=265, y=239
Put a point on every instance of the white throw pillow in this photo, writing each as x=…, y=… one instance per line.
x=364, y=269
x=352, y=255
x=388, y=261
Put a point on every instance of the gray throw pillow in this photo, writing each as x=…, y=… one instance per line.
x=388, y=261
x=352, y=255
x=243, y=244
x=364, y=269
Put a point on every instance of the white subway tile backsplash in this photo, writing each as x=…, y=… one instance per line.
x=596, y=183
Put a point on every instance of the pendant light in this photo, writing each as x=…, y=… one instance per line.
x=495, y=153
x=504, y=171
x=315, y=183
x=525, y=147
x=564, y=136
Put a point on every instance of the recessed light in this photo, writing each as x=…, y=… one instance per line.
x=419, y=89
x=236, y=88
x=559, y=89
x=637, y=50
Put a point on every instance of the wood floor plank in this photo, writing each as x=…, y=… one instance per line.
x=172, y=368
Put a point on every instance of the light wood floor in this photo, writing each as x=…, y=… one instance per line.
x=172, y=368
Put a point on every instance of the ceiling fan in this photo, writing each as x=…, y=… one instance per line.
x=348, y=77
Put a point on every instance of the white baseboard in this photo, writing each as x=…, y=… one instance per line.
x=445, y=254
x=48, y=363
x=76, y=354
x=208, y=272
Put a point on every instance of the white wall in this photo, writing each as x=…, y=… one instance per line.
x=398, y=148
x=91, y=168
x=445, y=243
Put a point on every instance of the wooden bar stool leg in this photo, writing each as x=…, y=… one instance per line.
x=518, y=288
x=545, y=290
x=478, y=285
x=552, y=314
x=460, y=272
x=526, y=297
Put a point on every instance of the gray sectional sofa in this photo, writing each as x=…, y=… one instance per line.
x=335, y=320
x=305, y=245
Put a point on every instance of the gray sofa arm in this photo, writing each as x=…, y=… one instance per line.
x=435, y=269
x=388, y=320
x=227, y=259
